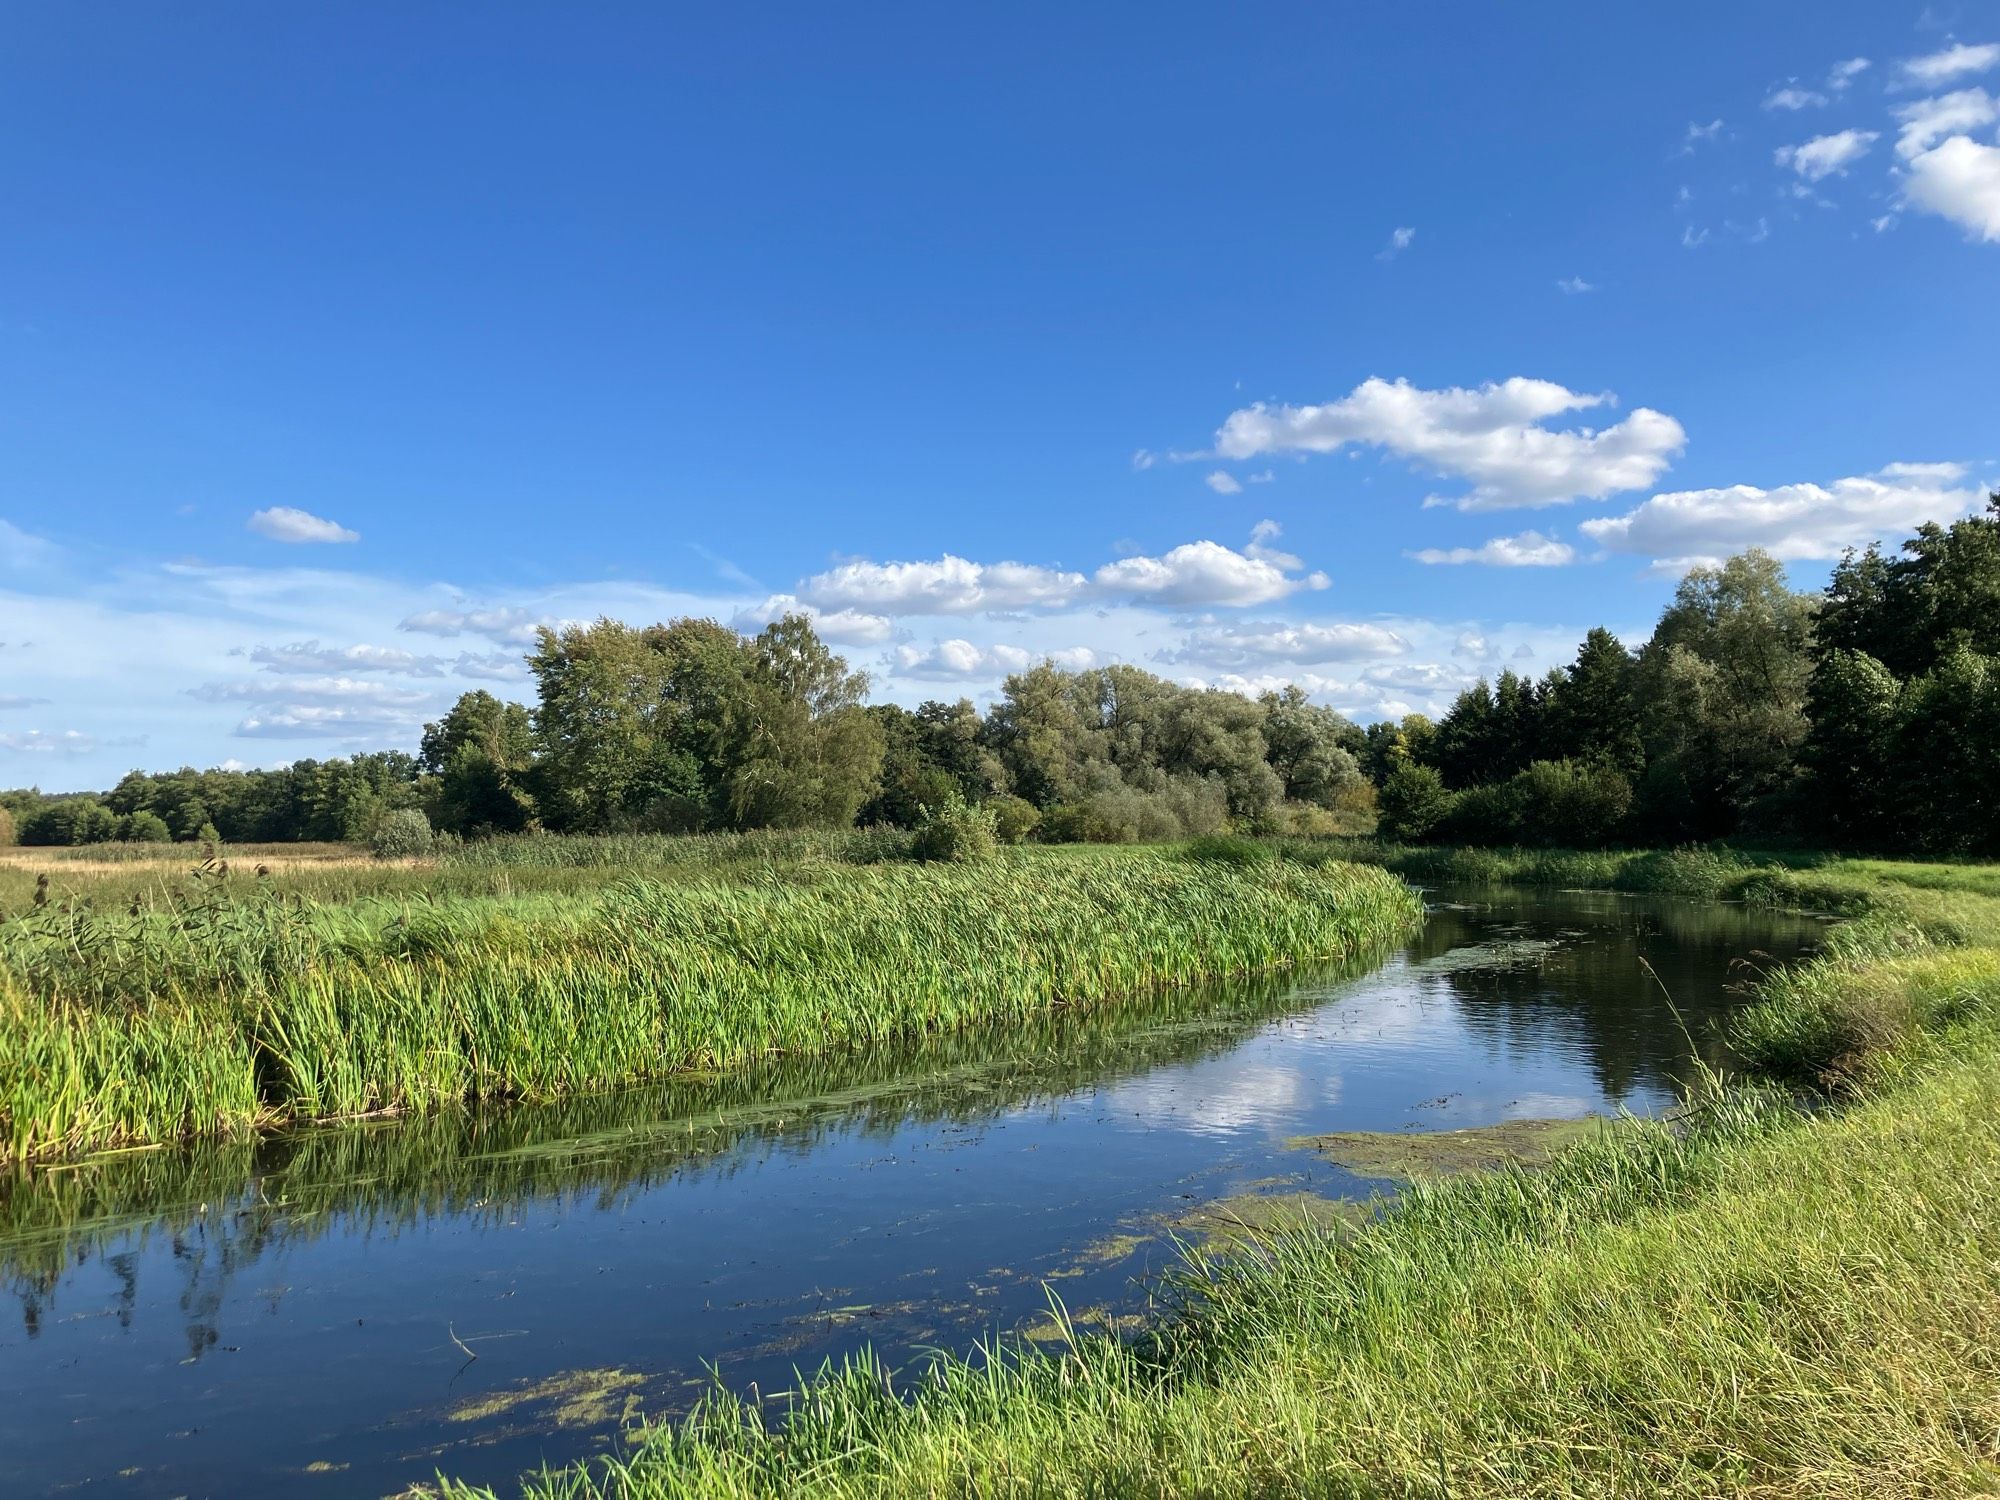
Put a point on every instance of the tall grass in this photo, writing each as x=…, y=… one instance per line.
x=1770, y=1296
x=223, y=1014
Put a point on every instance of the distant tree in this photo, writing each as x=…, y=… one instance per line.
x=1722, y=695
x=1851, y=752
x=1310, y=747
x=143, y=827
x=70, y=821
x=796, y=748
x=6, y=827
x=482, y=754
x=404, y=833
x=1589, y=714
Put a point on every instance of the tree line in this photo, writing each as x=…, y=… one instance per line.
x=1866, y=715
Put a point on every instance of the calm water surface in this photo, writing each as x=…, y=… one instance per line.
x=297, y=1314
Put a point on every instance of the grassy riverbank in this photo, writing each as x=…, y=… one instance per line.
x=1782, y=1295
x=245, y=1004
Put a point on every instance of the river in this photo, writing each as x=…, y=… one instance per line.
x=348, y=1310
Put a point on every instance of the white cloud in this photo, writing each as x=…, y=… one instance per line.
x=508, y=624
x=1200, y=574
x=949, y=586
x=843, y=627
x=1794, y=97
x=1253, y=643
x=1194, y=575
x=320, y=721
x=1576, y=286
x=1793, y=522
x=1530, y=549
x=1144, y=458
x=1825, y=155
x=1399, y=240
x=1928, y=121
x=957, y=660
x=1472, y=643
x=66, y=742
x=311, y=656
x=1223, y=483
x=1491, y=436
x=1699, y=134
x=1953, y=62
x=316, y=689
x=1958, y=179
x=283, y=523
x=1841, y=74
x=21, y=549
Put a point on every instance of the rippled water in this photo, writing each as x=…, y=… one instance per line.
x=298, y=1313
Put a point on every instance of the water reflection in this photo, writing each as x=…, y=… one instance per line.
x=218, y=1320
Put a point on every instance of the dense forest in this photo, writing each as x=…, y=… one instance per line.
x=1864, y=716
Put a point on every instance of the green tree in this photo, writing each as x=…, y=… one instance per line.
x=1310, y=747
x=1722, y=690
x=1589, y=713
x=796, y=747
x=1415, y=802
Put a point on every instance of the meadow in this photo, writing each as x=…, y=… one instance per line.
x=1792, y=1288
x=143, y=1002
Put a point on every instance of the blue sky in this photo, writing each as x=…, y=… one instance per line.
x=1373, y=348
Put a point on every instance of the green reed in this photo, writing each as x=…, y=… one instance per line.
x=225, y=1012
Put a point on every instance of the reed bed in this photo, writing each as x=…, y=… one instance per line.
x=225, y=1014
x=1777, y=1294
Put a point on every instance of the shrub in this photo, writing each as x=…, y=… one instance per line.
x=403, y=834
x=207, y=834
x=144, y=827
x=956, y=831
x=1413, y=803
x=1567, y=805
x=1014, y=818
x=1079, y=823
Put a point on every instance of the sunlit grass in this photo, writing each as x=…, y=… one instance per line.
x=1773, y=1295
x=221, y=1011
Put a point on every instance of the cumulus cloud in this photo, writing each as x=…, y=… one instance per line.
x=1193, y=575
x=1223, y=483
x=1199, y=574
x=1958, y=179
x=958, y=660
x=1491, y=436
x=1793, y=522
x=950, y=586
x=1794, y=97
x=1531, y=549
x=1576, y=286
x=1928, y=121
x=1826, y=155
x=506, y=623
x=1253, y=643
x=843, y=627
x=311, y=656
x=283, y=523
x=1955, y=61
x=1841, y=74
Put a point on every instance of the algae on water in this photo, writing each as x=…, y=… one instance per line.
x=1445, y=1153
